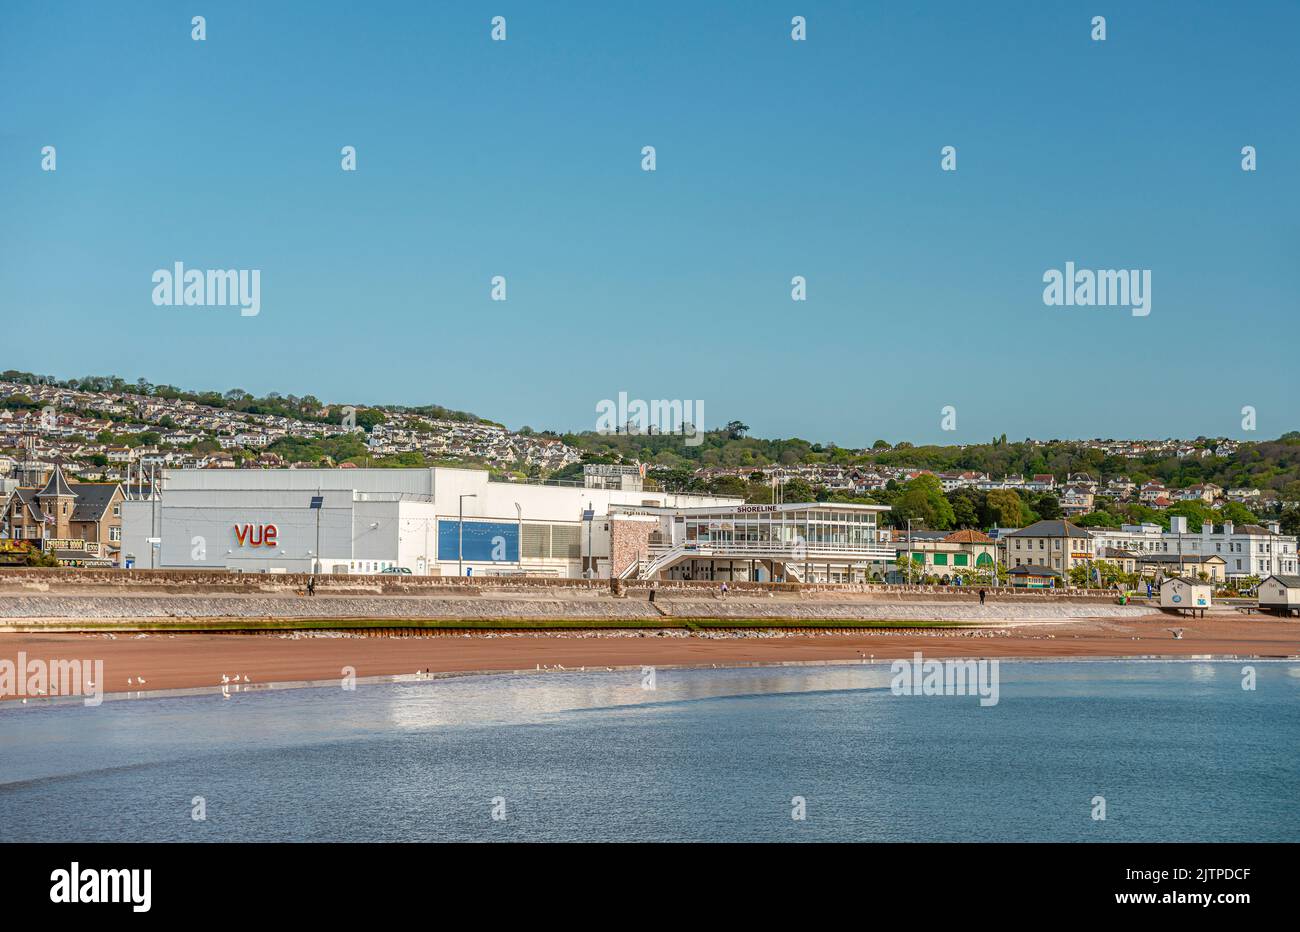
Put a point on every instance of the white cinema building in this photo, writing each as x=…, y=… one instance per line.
x=445, y=521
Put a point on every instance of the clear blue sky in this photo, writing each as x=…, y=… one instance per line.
x=775, y=158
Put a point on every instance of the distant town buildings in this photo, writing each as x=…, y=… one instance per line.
x=69, y=457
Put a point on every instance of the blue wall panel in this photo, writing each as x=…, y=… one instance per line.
x=485, y=541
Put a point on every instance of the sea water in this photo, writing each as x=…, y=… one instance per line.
x=1072, y=751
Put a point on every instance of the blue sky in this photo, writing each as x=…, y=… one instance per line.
x=775, y=159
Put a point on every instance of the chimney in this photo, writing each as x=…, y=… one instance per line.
x=1274, y=527
x=1227, y=528
x=1207, y=528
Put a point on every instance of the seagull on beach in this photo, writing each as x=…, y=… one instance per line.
x=130, y=681
x=245, y=678
x=140, y=681
x=1176, y=632
x=224, y=678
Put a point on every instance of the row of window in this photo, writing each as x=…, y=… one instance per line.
x=941, y=559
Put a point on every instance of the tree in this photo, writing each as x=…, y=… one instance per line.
x=967, y=507
x=1196, y=513
x=1099, y=519
x=367, y=418
x=797, y=490
x=1290, y=520
x=1048, y=507
x=729, y=485
x=1004, y=509
x=922, y=500
x=1237, y=513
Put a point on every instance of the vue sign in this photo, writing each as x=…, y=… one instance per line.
x=256, y=535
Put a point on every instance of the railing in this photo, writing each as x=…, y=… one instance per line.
x=565, y=483
x=802, y=550
x=662, y=555
x=665, y=558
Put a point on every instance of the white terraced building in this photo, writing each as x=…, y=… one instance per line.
x=1248, y=550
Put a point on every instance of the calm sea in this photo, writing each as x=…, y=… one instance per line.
x=1178, y=751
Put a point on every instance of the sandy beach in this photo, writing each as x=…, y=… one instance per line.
x=199, y=660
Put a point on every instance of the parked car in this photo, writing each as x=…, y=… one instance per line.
x=404, y=570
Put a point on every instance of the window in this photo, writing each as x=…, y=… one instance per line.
x=115, y=533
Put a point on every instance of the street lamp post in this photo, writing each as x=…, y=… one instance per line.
x=460, y=531
x=909, y=551
x=519, y=553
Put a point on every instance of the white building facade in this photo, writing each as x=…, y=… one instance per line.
x=372, y=520
x=1249, y=550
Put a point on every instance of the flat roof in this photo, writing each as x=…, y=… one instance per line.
x=741, y=509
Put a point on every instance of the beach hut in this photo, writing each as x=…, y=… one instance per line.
x=1280, y=594
x=1182, y=594
x=1031, y=576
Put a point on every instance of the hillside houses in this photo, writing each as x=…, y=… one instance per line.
x=101, y=435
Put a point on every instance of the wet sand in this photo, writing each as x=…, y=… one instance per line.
x=200, y=660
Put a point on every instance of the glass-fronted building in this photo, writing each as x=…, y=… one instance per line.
x=808, y=541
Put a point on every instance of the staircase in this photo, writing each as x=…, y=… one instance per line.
x=667, y=558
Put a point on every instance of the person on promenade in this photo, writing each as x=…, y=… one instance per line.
x=311, y=584
x=982, y=594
